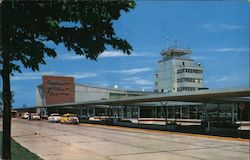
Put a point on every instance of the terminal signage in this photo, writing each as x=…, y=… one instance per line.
x=58, y=89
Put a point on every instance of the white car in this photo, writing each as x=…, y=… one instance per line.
x=34, y=116
x=54, y=117
x=25, y=115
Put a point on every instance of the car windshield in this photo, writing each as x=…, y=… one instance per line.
x=55, y=114
x=69, y=115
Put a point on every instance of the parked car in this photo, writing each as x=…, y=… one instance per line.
x=69, y=119
x=34, y=116
x=25, y=115
x=14, y=114
x=54, y=117
x=84, y=117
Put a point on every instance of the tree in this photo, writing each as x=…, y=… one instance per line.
x=85, y=27
x=1, y=97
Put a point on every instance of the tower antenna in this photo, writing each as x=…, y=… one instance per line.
x=168, y=43
x=175, y=42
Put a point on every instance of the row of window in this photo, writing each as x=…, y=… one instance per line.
x=195, y=80
x=189, y=71
x=186, y=89
x=156, y=75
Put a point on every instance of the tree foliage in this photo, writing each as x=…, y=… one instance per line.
x=85, y=27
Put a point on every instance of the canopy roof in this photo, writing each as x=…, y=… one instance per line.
x=232, y=95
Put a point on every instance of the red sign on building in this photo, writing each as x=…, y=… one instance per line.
x=58, y=89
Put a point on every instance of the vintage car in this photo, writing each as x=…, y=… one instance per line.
x=54, y=117
x=69, y=119
x=25, y=115
x=34, y=116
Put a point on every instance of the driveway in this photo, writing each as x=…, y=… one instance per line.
x=53, y=141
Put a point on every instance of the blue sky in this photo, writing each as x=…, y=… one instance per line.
x=216, y=31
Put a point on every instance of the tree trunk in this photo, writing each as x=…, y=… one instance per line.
x=6, y=149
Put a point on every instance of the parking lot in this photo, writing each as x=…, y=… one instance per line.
x=95, y=142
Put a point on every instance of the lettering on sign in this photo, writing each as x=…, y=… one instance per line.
x=58, y=89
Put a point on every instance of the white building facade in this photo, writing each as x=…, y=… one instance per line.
x=90, y=93
x=177, y=72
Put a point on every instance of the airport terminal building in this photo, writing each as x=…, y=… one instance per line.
x=177, y=75
x=51, y=98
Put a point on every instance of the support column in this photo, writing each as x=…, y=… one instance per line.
x=165, y=111
x=121, y=112
x=112, y=112
x=206, y=117
x=138, y=114
x=181, y=112
x=130, y=112
x=174, y=112
x=109, y=112
x=166, y=115
x=94, y=111
x=196, y=113
x=218, y=113
x=80, y=112
x=87, y=110
x=232, y=106
x=155, y=116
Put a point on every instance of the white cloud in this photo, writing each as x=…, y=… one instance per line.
x=138, y=81
x=201, y=57
x=219, y=27
x=104, y=85
x=148, y=87
x=82, y=75
x=31, y=75
x=108, y=54
x=230, y=49
x=131, y=71
x=224, y=49
x=230, y=27
x=143, y=82
x=131, y=78
x=105, y=54
x=69, y=56
x=38, y=75
x=222, y=79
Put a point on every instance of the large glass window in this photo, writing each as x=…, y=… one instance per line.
x=185, y=113
x=212, y=112
x=134, y=112
x=171, y=112
x=177, y=112
x=225, y=112
x=193, y=112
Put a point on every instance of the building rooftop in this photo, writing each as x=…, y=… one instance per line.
x=226, y=94
x=174, y=52
x=107, y=88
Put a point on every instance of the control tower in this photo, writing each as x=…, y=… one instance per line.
x=177, y=72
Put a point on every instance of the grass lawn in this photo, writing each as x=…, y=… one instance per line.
x=18, y=152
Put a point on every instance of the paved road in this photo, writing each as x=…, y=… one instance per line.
x=95, y=142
